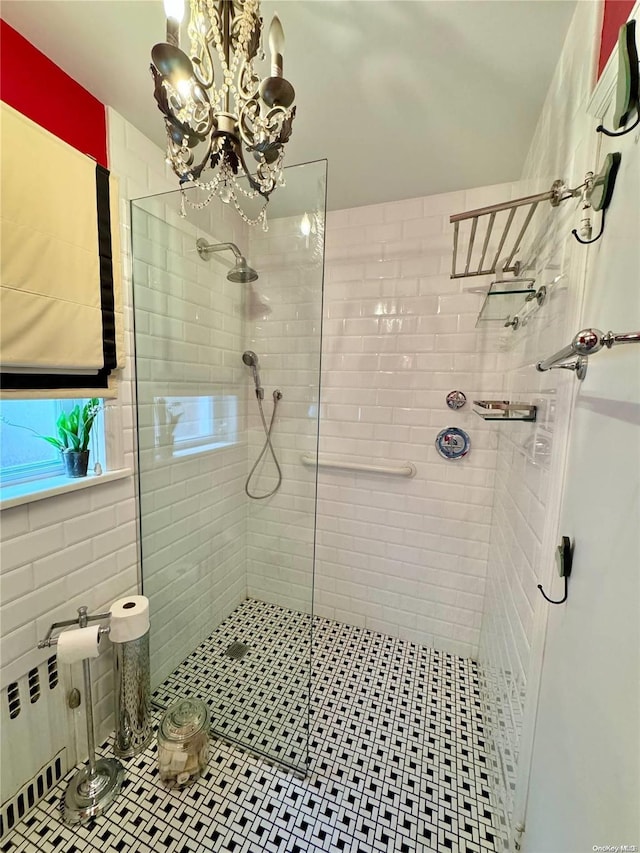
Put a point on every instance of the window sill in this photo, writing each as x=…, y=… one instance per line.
x=25, y=493
x=201, y=448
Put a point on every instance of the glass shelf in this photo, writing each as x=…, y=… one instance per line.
x=503, y=410
x=504, y=298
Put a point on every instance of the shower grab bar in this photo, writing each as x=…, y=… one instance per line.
x=585, y=343
x=406, y=470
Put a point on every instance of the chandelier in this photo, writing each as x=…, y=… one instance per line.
x=216, y=108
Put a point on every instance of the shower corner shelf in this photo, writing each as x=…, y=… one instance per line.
x=504, y=410
x=505, y=300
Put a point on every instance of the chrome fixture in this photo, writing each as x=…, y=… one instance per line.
x=251, y=360
x=93, y=788
x=132, y=696
x=453, y=443
x=241, y=272
x=503, y=410
x=596, y=192
x=214, y=98
x=586, y=343
x=456, y=399
x=558, y=193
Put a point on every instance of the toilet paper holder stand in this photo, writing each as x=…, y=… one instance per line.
x=95, y=786
x=67, y=623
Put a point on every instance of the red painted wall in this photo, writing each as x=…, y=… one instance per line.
x=32, y=84
x=616, y=13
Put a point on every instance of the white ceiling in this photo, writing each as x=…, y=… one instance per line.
x=403, y=97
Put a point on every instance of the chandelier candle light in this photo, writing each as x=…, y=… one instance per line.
x=214, y=101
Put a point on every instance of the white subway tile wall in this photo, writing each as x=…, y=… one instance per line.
x=286, y=338
x=192, y=427
x=406, y=557
x=530, y=457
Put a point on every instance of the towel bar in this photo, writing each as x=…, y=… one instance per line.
x=585, y=343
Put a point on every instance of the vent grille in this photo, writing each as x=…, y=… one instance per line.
x=52, y=672
x=13, y=698
x=30, y=794
x=34, y=685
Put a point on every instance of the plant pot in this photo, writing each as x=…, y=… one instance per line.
x=75, y=462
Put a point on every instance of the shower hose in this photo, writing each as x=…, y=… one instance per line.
x=277, y=396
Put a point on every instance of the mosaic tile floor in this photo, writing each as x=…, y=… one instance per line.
x=246, y=703
x=397, y=764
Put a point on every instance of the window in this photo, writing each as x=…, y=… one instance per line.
x=191, y=424
x=24, y=457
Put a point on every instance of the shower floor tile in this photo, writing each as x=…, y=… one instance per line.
x=396, y=754
x=262, y=699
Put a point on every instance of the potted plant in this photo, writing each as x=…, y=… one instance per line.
x=74, y=430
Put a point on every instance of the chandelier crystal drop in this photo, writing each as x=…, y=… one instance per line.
x=217, y=109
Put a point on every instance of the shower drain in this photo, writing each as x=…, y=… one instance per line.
x=237, y=651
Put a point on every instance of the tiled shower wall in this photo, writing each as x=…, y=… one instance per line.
x=286, y=337
x=189, y=334
x=530, y=457
x=403, y=556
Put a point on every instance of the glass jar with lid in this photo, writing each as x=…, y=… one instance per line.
x=183, y=742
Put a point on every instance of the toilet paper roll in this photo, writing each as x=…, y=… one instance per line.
x=78, y=644
x=129, y=618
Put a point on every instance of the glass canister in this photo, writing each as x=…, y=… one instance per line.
x=183, y=742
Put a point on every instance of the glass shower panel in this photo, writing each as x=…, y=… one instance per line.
x=227, y=506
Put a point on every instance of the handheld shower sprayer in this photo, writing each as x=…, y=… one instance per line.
x=251, y=360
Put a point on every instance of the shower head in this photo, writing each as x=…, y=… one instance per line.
x=241, y=272
x=251, y=360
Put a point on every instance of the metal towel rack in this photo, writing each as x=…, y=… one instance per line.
x=557, y=194
x=406, y=470
x=595, y=190
x=585, y=343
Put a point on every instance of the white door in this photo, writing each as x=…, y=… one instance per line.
x=585, y=778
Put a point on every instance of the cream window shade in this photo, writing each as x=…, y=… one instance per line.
x=60, y=289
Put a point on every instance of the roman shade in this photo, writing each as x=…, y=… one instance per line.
x=61, y=330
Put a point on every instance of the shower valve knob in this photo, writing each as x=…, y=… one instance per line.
x=456, y=399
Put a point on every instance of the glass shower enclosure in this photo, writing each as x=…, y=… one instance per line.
x=228, y=322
